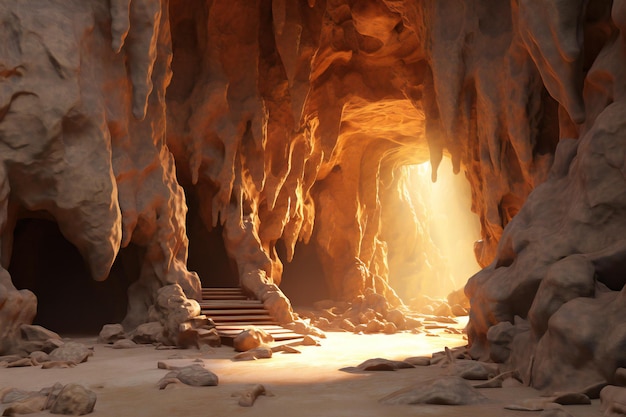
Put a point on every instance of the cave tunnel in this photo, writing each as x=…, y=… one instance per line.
x=69, y=301
x=436, y=257
x=207, y=254
x=303, y=280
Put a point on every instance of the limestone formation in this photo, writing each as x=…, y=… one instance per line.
x=291, y=124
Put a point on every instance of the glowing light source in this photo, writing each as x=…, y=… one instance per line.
x=439, y=258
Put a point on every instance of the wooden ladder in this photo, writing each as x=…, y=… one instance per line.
x=233, y=311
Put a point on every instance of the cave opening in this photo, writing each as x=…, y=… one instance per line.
x=207, y=254
x=437, y=257
x=303, y=281
x=69, y=301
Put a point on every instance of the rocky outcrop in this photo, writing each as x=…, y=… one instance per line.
x=293, y=122
x=82, y=141
x=556, y=284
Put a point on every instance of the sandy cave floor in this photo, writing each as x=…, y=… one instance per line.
x=306, y=384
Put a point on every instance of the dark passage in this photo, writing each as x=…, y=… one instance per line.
x=303, y=279
x=207, y=253
x=68, y=300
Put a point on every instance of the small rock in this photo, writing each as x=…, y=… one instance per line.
x=195, y=375
x=71, y=351
x=20, y=363
x=51, y=344
x=254, y=354
x=496, y=381
x=526, y=405
x=443, y=310
x=468, y=369
x=459, y=311
x=311, y=341
x=412, y=323
x=34, y=333
x=285, y=349
x=111, y=333
x=323, y=323
x=418, y=360
x=374, y=326
x=193, y=337
x=148, y=332
x=396, y=317
x=248, y=397
x=346, y=325
x=390, y=328
x=39, y=356
x=124, y=344
x=10, y=395
x=361, y=328
x=458, y=297
x=593, y=391
x=74, y=400
x=445, y=391
x=613, y=400
x=570, y=398
x=250, y=339
x=30, y=405
x=378, y=364
x=377, y=303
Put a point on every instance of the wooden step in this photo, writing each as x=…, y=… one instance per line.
x=248, y=317
x=229, y=312
x=266, y=327
x=233, y=311
x=226, y=297
x=231, y=304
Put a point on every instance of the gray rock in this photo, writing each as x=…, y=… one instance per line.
x=34, y=333
x=29, y=405
x=52, y=344
x=418, y=360
x=71, y=352
x=74, y=400
x=379, y=364
x=148, y=332
x=194, y=375
x=124, y=344
x=111, y=333
x=39, y=356
x=450, y=390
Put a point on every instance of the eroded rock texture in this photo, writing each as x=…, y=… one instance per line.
x=82, y=141
x=552, y=302
x=294, y=121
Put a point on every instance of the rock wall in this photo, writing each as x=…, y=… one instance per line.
x=552, y=302
x=293, y=121
x=82, y=141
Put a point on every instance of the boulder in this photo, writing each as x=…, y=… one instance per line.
x=74, y=400
x=111, y=333
x=71, y=352
x=444, y=391
x=250, y=339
